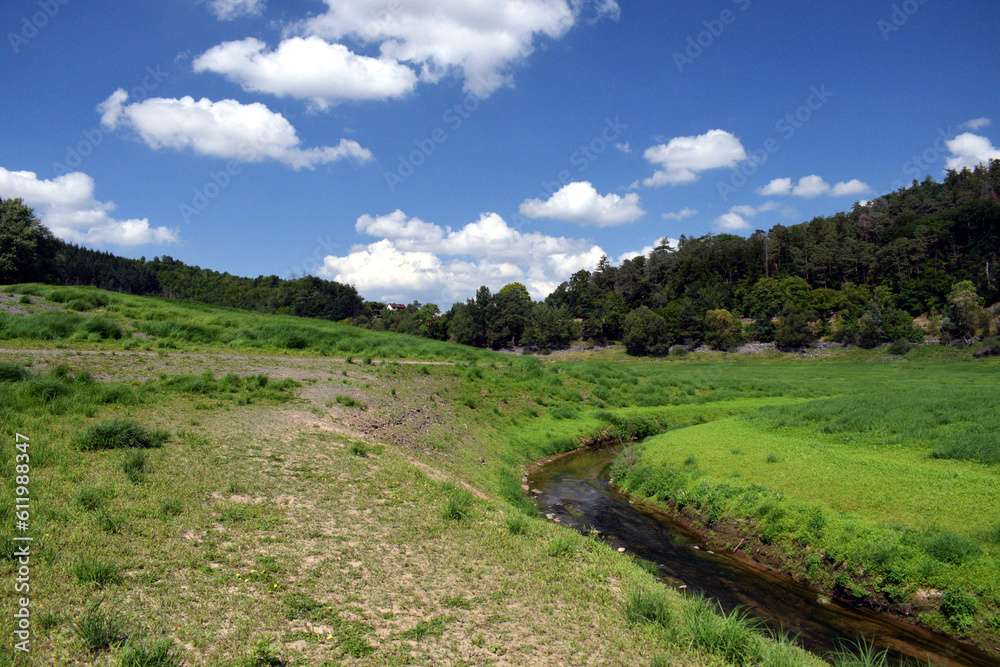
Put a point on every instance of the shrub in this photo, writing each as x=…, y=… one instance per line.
x=949, y=547
x=12, y=372
x=959, y=608
x=95, y=571
x=645, y=332
x=103, y=327
x=723, y=330
x=119, y=434
x=146, y=653
x=100, y=630
x=900, y=347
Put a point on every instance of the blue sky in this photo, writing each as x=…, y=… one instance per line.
x=419, y=148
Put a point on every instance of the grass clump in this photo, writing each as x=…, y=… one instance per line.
x=119, y=434
x=458, y=503
x=262, y=654
x=561, y=546
x=149, y=653
x=89, y=570
x=100, y=630
x=351, y=402
x=134, y=465
x=644, y=605
x=731, y=636
x=12, y=372
x=92, y=498
x=517, y=524
x=432, y=628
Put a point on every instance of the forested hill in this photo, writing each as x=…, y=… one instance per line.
x=858, y=277
x=29, y=253
x=918, y=242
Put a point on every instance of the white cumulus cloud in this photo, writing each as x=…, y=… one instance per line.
x=479, y=39
x=580, y=202
x=683, y=159
x=307, y=68
x=228, y=10
x=736, y=218
x=224, y=129
x=970, y=150
x=810, y=187
x=415, y=259
x=681, y=215
x=67, y=206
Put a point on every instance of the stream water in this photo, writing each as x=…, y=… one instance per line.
x=575, y=489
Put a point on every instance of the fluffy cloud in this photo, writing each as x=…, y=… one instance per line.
x=66, y=204
x=400, y=228
x=228, y=10
x=681, y=215
x=809, y=187
x=850, y=188
x=977, y=123
x=224, y=129
x=581, y=203
x=417, y=259
x=307, y=68
x=735, y=219
x=683, y=159
x=481, y=39
x=969, y=150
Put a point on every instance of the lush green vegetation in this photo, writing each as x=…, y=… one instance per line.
x=260, y=505
x=860, y=278
x=88, y=315
x=866, y=490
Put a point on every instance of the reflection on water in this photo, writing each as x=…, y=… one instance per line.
x=575, y=489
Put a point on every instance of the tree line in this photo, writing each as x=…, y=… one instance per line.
x=918, y=262
x=30, y=253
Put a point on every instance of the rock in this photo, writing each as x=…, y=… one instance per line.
x=621, y=550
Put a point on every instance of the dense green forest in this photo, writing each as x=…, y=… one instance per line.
x=29, y=253
x=914, y=264
x=859, y=278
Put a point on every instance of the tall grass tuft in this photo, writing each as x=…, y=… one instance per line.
x=149, y=653
x=119, y=434
x=100, y=630
x=88, y=570
x=134, y=466
x=731, y=636
x=645, y=605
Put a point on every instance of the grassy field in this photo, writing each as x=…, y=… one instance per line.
x=885, y=490
x=225, y=488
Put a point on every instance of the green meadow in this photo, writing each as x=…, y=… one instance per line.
x=217, y=487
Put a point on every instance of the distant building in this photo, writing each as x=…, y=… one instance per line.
x=395, y=306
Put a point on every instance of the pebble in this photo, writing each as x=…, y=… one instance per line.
x=621, y=550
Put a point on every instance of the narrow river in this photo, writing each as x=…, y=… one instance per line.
x=575, y=489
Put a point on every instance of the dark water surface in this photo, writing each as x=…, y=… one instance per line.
x=576, y=490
